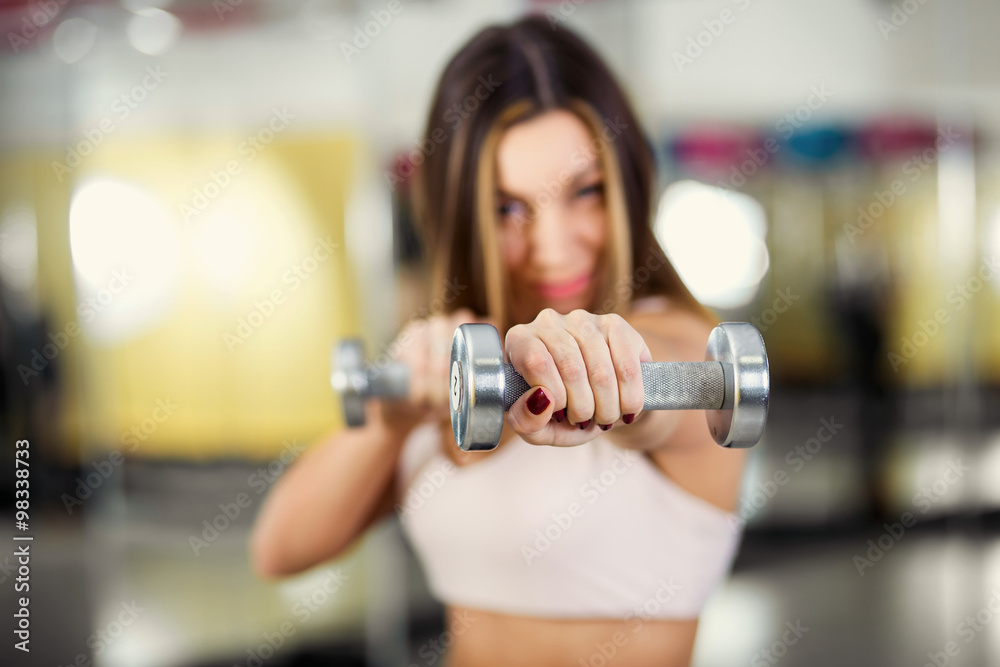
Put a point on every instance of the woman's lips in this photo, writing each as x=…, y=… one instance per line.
x=562, y=290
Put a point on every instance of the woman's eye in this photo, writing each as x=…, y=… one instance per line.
x=588, y=190
x=510, y=209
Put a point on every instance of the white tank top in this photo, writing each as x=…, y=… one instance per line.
x=594, y=531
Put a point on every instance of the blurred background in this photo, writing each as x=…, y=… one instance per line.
x=197, y=199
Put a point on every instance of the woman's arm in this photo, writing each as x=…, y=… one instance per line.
x=335, y=491
x=678, y=441
x=328, y=498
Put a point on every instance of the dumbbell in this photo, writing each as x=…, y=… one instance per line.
x=732, y=385
x=356, y=382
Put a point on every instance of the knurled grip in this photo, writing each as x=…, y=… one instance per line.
x=667, y=385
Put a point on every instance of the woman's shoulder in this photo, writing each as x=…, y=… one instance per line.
x=682, y=326
x=697, y=466
x=652, y=303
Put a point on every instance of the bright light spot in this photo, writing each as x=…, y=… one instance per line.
x=715, y=240
x=993, y=246
x=226, y=245
x=989, y=470
x=18, y=249
x=153, y=30
x=991, y=586
x=152, y=639
x=125, y=255
x=319, y=585
x=738, y=620
x=936, y=476
x=73, y=39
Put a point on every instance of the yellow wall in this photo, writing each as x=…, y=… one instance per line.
x=265, y=391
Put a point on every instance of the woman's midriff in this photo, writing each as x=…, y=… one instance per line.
x=485, y=639
x=478, y=638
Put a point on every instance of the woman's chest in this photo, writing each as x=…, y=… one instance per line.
x=519, y=493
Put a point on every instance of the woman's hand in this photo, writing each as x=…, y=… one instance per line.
x=584, y=373
x=424, y=345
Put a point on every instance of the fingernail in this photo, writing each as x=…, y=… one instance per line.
x=584, y=425
x=604, y=427
x=538, y=401
x=559, y=415
x=629, y=418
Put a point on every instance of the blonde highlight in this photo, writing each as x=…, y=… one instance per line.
x=497, y=280
x=618, y=255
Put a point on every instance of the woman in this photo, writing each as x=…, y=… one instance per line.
x=594, y=530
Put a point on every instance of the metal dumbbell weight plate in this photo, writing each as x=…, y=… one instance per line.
x=355, y=381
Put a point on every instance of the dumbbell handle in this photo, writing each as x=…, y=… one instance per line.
x=667, y=385
x=389, y=381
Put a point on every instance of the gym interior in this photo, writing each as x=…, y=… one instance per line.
x=199, y=199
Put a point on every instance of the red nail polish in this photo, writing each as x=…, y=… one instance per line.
x=604, y=427
x=559, y=415
x=629, y=418
x=584, y=425
x=538, y=401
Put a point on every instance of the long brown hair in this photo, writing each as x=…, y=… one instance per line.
x=508, y=74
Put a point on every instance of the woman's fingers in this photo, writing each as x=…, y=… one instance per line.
x=532, y=360
x=550, y=432
x=600, y=369
x=628, y=352
x=587, y=364
x=530, y=416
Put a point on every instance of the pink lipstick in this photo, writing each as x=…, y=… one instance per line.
x=563, y=290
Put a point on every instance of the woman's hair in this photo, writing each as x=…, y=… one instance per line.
x=502, y=76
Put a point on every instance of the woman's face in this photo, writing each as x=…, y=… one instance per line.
x=553, y=223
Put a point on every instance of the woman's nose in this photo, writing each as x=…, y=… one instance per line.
x=550, y=235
